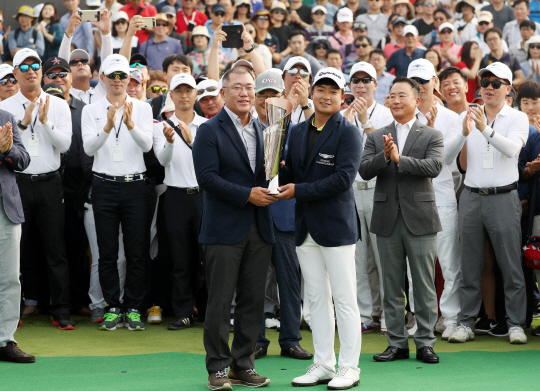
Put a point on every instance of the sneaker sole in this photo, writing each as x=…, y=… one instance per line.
x=138, y=328
x=355, y=384
x=180, y=328
x=156, y=321
x=70, y=327
x=455, y=340
x=226, y=386
x=367, y=331
x=248, y=384
x=519, y=342
x=498, y=335
x=98, y=320
x=104, y=328
x=326, y=381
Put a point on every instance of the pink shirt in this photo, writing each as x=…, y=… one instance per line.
x=344, y=41
x=454, y=51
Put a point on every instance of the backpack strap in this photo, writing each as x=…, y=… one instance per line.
x=179, y=132
x=156, y=105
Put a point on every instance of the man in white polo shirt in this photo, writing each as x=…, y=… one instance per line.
x=490, y=203
x=367, y=115
x=297, y=78
x=117, y=130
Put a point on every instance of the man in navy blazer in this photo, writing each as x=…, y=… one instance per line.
x=323, y=157
x=13, y=157
x=236, y=231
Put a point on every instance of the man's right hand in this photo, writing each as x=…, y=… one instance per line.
x=111, y=118
x=135, y=24
x=74, y=22
x=258, y=197
x=388, y=146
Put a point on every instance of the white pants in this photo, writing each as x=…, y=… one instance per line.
x=329, y=272
x=95, y=293
x=450, y=261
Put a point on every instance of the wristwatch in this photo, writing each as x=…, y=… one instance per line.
x=20, y=125
x=250, y=50
x=306, y=107
x=367, y=125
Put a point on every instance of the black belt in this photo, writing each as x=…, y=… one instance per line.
x=122, y=178
x=188, y=190
x=37, y=177
x=492, y=190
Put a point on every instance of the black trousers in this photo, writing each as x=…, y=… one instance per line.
x=43, y=206
x=125, y=203
x=183, y=213
x=243, y=267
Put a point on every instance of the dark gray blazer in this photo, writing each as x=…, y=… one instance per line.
x=408, y=186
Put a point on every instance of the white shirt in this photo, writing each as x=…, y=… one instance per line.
x=511, y=133
x=248, y=134
x=53, y=137
x=298, y=115
x=132, y=143
x=115, y=7
x=447, y=122
x=176, y=158
x=90, y=96
x=402, y=132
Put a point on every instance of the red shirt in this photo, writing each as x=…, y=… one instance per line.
x=471, y=83
x=182, y=20
x=148, y=11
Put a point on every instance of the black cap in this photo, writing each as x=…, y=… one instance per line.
x=138, y=58
x=54, y=89
x=218, y=7
x=55, y=62
x=359, y=25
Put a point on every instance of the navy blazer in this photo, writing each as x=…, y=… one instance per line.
x=16, y=160
x=223, y=172
x=325, y=204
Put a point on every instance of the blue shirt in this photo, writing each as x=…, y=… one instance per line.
x=331, y=10
x=529, y=153
x=400, y=61
x=25, y=40
x=384, y=82
x=155, y=53
x=82, y=36
x=534, y=6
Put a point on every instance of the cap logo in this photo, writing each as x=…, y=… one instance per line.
x=330, y=73
x=56, y=61
x=271, y=81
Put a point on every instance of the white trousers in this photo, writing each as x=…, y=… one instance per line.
x=329, y=272
x=95, y=293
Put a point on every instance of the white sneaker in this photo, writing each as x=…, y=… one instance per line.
x=154, y=315
x=271, y=323
x=346, y=377
x=462, y=334
x=517, y=336
x=412, y=330
x=449, y=330
x=316, y=374
x=439, y=326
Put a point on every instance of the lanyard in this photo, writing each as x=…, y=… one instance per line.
x=360, y=127
x=491, y=126
x=32, y=123
x=119, y=127
x=192, y=17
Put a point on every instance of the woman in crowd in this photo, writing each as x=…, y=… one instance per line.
x=261, y=49
x=243, y=11
x=262, y=21
x=319, y=48
x=281, y=30
x=448, y=50
x=156, y=85
x=48, y=24
x=471, y=56
x=531, y=67
x=201, y=50
x=434, y=57
x=404, y=8
x=119, y=30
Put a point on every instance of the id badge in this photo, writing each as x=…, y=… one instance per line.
x=488, y=158
x=33, y=147
x=118, y=153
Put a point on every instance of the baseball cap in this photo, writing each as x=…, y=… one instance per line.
x=55, y=62
x=23, y=54
x=359, y=26
x=120, y=15
x=345, y=15
x=25, y=10
x=138, y=58
x=115, y=63
x=447, y=26
x=93, y=3
x=136, y=74
x=410, y=29
x=347, y=91
x=5, y=69
x=484, y=16
x=319, y=8
x=79, y=53
x=297, y=60
x=243, y=63
x=205, y=85
x=422, y=69
x=399, y=19
x=271, y=79
x=497, y=69
x=332, y=74
x=218, y=7
x=183, y=78
x=364, y=67
x=54, y=89
x=533, y=39
x=161, y=16
x=169, y=10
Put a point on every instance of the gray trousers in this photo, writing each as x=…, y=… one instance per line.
x=10, y=286
x=497, y=217
x=422, y=253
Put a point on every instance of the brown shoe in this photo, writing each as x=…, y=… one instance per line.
x=12, y=353
x=248, y=378
x=219, y=381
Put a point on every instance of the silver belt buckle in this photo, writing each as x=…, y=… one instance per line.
x=483, y=191
x=128, y=178
x=193, y=190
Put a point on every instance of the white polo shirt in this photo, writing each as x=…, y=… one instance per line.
x=511, y=132
x=177, y=158
x=49, y=139
x=298, y=115
x=90, y=96
x=126, y=157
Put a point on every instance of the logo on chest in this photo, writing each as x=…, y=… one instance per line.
x=325, y=159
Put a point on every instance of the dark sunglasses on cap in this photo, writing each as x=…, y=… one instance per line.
x=82, y=61
x=446, y=31
x=4, y=81
x=117, y=75
x=163, y=24
x=349, y=100
x=294, y=71
x=263, y=17
x=157, y=89
x=321, y=46
x=207, y=89
x=25, y=67
x=419, y=80
x=534, y=46
x=496, y=84
x=318, y=13
x=219, y=13
x=282, y=12
x=137, y=64
x=54, y=75
x=365, y=80
x=364, y=45
x=483, y=23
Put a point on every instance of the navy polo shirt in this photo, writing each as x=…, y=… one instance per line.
x=400, y=61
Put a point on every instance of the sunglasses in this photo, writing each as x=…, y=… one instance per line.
x=117, y=75
x=54, y=75
x=74, y=63
x=263, y=17
x=349, y=100
x=157, y=89
x=323, y=46
x=533, y=46
x=295, y=71
x=12, y=80
x=207, y=89
x=137, y=64
x=219, y=13
x=318, y=13
x=496, y=84
x=364, y=45
x=279, y=12
x=365, y=80
x=446, y=31
x=163, y=24
x=25, y=67
x=419, y=80
x=483, y=23
x=430, y=4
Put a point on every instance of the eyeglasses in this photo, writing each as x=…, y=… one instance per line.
x=294, y=72
x=25, y=67
x=238, y=89
x=365, y=80
x=533, y=46
x=82, y=61
x=117, y=75
x=279, y=12
x=157, y=89
x=496, y=84
x=364, y=45
x=219, y=13
x=12, y=80
x=321, y=46
x=137, y=64
x=163, y=24
x=188, y=90
x=349, y=100
x=483, y=23
x=54, y=75
x=420, y=81
x=207, y=89
x=264, y=97
x=263, y=17
x=430, y=4
x=446, y=31
x=318, y=13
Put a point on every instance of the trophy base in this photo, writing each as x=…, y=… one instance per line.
x=273, y=186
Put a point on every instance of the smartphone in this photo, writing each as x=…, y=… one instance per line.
x=234, y=36
x=191, y=26
x=148, y=23
x=473, y=104
x=90, y=16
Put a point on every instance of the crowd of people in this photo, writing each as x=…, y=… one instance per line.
x=133, y=183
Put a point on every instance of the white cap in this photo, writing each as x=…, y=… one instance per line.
x=183, y=78
x=23, y=54
x=208, y=83
x=115, y=63
x=319, y=8
x=533, y=39
x=244, y=63
x=446, y=25
x=364, y=67
x=38, y=8
x=497, y=69
x=119, y=15
x=79, y=53
x=345, y=15
x=5, y=69
x=93, y=3
x=297, y=60
x=410, y=29
x=331, y=73
x=422, y=69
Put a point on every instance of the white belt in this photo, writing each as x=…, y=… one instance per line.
x=365, y=185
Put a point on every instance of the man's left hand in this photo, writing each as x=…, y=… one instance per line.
x=43, y=110
x=477, y=115
x=104, y=24
x=286, y=192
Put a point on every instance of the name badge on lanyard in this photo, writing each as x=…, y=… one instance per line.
x=33, y=147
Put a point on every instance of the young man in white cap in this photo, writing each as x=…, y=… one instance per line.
x=117, y=130
x=321, y=163
x=297, y=78
x=344, y=36
x=367, y=115
x=400, y=59
x=434, y=115
x=8, y=84
x=209, y=97
x=494, y=137
x=44, y=123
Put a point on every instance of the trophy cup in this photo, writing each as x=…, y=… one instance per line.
x=278, y=116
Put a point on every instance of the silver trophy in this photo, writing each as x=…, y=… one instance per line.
x=278, y=116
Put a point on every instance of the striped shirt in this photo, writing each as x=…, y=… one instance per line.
x=248, y=135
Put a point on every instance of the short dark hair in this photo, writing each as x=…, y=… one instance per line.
x=181, y=58
x=238, y=71
x=414, y=85
x=492, y=30
x=295, y=33
x=362, y=37
x=442, y=11
x=521, y=1
x=335, y=51
x=529, y=89
x=377, y=51
x=527, y=23
x=450, y=71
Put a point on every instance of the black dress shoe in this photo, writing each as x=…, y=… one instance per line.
x=427, y=355
x=260, y=352
x=297, y=352
x=11, y=352
x=392, y=353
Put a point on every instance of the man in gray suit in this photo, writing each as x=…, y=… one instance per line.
x=405, y=217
